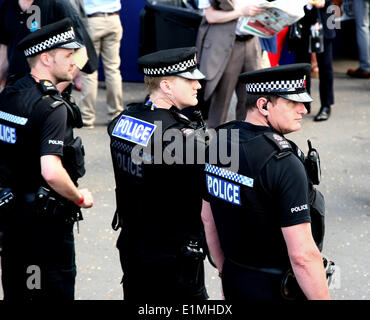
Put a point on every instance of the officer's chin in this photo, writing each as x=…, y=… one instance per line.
x=68, y=78
x=297, y=127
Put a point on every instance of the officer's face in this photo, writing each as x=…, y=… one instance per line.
x=184, y=92
x=285, y=115
x=63, y=64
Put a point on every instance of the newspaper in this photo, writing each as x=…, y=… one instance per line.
x=278, y=15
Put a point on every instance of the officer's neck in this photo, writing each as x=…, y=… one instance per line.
x=160, y=101
x=256, y=118
x=38, y=75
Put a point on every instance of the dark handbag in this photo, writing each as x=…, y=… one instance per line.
x=295, y=35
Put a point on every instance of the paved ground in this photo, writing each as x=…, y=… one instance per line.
x=344, y=145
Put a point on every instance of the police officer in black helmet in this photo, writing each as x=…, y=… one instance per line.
x=154, y=152
x=258, y=219
x=40, y=163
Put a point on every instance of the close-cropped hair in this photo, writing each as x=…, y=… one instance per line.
x=33, y=60
x=152, y=83
x=251, y=101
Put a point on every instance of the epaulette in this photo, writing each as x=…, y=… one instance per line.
x=50, y=91
x=298, y=152
x=48, y=87
x=53, y=101
x=278, y=141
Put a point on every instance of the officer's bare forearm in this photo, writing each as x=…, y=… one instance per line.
x=58, y=179
x=306, y=261
x=311, y=278
x=212, y=238
x=4, y=64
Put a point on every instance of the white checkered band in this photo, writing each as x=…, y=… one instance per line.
x=12, y=118
x=128, y=149
x=175, y=68
x=276, y=86
x=229, y=175
x=51, y=42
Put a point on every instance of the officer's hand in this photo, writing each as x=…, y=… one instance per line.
x=88, y=200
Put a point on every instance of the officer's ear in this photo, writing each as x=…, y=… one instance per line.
x=46, y=58
x=262, y=106
x=165, y=85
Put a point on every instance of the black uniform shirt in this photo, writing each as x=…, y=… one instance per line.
x=43, y=134
x=250, y=207
x=13, y=27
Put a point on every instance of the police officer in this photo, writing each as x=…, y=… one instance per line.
x=257, y=219
x=154, y=152
x=41, y=161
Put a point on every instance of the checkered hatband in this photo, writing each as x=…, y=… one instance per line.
x=61, y=38
x=172, y=69
x=276, y=86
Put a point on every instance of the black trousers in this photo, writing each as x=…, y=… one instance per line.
x=160, y=277
x=38, y=258
x=325, y=63
x=241, y=284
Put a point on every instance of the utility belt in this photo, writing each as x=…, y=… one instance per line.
x=49, y=204
x=276, y=271
x=44, y=203
x=6, y=201
x=190, y=264
x=290, y=289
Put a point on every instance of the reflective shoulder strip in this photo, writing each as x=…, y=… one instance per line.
x=12, y=118
x=224, y=173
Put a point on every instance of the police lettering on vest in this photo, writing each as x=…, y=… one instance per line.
x=134, y=130
x=224, y=189
x=8, y=134
x=125, y=163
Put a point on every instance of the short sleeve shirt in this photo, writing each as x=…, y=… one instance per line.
x=53, y=132
x=286, y=180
